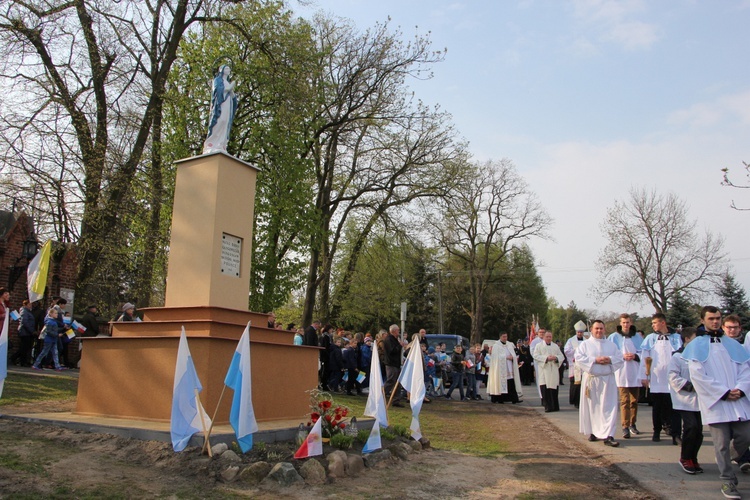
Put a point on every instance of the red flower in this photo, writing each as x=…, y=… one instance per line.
x=314, y=419
x=344, y=412
x=315, y=415
x=326, y=404
x=328, y=418
x=342, y=425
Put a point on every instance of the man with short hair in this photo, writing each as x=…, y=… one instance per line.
x=599, y=358
x=511, y=387
x=423, y=338
x=732, y=328
x=548, y=357
x=537, y=340
x=392, y=347
x=720, y=373
x=656, y=353
x=310, y=337
x=628, y=384
x=574, y=373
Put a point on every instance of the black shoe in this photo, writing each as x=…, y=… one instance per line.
x=677, y=440
x=656, y=437
x=610, y=441
x=397, y=405
x=626, y=433
x=593, y=438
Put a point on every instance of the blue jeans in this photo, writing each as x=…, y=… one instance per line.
x=471, y=380
x=458, y=380
x=48, y=346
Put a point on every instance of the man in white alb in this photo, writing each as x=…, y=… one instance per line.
x=574, y=372
x=720, y=373
x=548, y=357
x=537, y=340
x=599, y=358
x=628, y=383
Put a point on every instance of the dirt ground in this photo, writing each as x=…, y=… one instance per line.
x=38, y=461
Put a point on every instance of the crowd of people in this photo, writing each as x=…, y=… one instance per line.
x=691, y=377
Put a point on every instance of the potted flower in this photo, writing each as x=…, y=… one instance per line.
x=322, y=406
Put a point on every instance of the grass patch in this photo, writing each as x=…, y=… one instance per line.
x=26, y=388
x=454, y=426
x=13, y=461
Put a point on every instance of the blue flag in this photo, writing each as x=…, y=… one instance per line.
x=412, y=380
x=242, y=415
x=373, y=442
x=188, y=415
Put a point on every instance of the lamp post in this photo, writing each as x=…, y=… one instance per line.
x=440, y=302
x=29, y=250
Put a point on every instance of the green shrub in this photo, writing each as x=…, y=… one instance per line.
x=388, y=434
x=401, y=430
x=362, y=436
x=342, y=441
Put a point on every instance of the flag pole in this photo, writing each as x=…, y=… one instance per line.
x=203, y=423
x=216, y=411
x=395, y=387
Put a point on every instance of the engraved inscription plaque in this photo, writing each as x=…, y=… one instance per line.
x=231, y=252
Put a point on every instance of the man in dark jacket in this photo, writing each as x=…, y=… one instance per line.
x=392, y=360
x=26, y=336
x=310, y=336
x=90, y=321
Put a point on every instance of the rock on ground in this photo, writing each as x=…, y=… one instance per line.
x=230, y=473
x=282, y=474
x=230, y=456
x=354, y=465
x=313, y=472
x=376, y=458
x=337, y=464
x=218, y=449
x=255, y=473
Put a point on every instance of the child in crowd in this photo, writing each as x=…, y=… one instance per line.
x=335, y=365
x=685, y=401
x=349, y=356
x=50, y=341
x=458, y=365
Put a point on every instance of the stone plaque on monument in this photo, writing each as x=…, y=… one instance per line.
x=231, y=251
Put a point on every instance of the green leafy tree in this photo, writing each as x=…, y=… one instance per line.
x=273, y=60
x=482, y=223
x=733, y=299
x=681, y=312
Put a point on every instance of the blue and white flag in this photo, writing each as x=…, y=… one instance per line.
x=242, y=415
x=375, y=406
x=3, y=354
x=373, y=442
x=412, y=380
x=188, y=415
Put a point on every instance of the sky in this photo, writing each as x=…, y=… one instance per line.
x=589, y=99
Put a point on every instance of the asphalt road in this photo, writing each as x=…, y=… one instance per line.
x=654, y=465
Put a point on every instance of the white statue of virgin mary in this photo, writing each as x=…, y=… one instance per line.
x=223, y=107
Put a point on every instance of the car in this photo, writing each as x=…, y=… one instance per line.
x=450, y=341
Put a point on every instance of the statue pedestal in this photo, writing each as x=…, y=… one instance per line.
x=131, y=374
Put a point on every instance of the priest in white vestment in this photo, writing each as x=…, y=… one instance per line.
x=548, y=357
x=537, y=340
x=599, y=358
x=720, y=373
x=497, y=375
x=574, y=371
x=507, y=351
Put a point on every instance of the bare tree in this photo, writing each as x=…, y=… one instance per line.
x=653, y=251
x=482, y=222
x=373, y=148
x=101, y=67
x=729, y=182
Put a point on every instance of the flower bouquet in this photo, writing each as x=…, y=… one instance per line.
x=334, y=415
